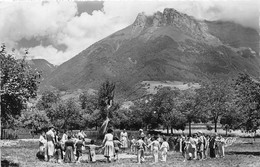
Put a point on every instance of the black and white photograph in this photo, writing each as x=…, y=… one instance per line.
x=130, y=83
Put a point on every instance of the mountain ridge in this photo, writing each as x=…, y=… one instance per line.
x=168, y=45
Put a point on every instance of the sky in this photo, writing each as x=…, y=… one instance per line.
x=59, y=30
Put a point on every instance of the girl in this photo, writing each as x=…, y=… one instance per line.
x=164, y=147
x=42, y=145
x=156, y=145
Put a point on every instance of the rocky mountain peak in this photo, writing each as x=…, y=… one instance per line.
x=177, y=20
x=140, y=20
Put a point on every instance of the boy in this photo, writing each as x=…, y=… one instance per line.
x=133, y=142
x=92, y=152
x=79, y=145
x=140, y=144
x=117, y=143
x=164, y=147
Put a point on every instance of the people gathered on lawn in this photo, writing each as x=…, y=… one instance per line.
x=69, y=147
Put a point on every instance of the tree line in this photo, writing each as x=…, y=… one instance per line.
x=234, y=103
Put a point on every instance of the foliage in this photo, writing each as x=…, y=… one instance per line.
x=65, y=115
x=247, y=101
x=18, y=83
x=215, y=97
x=105, y=97
x=163, y=102
x=47, y=99
x=34, y=119
x=209, y=127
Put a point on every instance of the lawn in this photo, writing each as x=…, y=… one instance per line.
x=243, y=153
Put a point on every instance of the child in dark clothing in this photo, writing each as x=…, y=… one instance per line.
x=140, y=144
x=79, y=145
x=117, y=143
x=59, y=150
x=92, y=152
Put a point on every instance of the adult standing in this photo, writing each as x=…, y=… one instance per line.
x=50, y=144
x=108, y=145
x=124, y=140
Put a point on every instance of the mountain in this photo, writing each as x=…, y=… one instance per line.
x=167, y=46
x=42, y=65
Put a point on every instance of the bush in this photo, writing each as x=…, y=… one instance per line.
x=209, y=127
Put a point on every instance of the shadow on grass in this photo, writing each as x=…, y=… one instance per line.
x=254, y=153
x=5, y=163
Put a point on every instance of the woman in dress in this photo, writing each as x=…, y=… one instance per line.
x=50, y=136
x=124, y=140
x=108, y=145
x=69, y=149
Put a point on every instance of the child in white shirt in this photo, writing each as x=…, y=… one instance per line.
x=164, y=148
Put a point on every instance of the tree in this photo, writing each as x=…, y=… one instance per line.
x=105, y=97
x=174, y=119
x=230, y=120
x=215, y=96
x=247, y=91
x=163, y=102
x=66, y=115
x=18, y=83
x=189, y=106
x=47, y=99
x=34, y=119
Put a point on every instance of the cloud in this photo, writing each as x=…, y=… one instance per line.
x=61, y=25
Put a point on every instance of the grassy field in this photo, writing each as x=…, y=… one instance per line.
x=243, y=153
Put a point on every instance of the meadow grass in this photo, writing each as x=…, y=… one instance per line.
x=245, y=152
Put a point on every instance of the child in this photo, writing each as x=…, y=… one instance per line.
x=133, y=142
x=164, y=147
x=59, y=150
x=92, y=152
x=140, y=144
x=156, y=145
x=117, y=143
x=79, y=145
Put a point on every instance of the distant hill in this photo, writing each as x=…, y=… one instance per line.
x=44, y=66
x=167, y=46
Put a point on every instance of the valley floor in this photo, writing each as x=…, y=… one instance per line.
x=243, y=153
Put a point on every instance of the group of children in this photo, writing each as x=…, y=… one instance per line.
x=150, y=144
x=200, y=146
x=69, y=147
